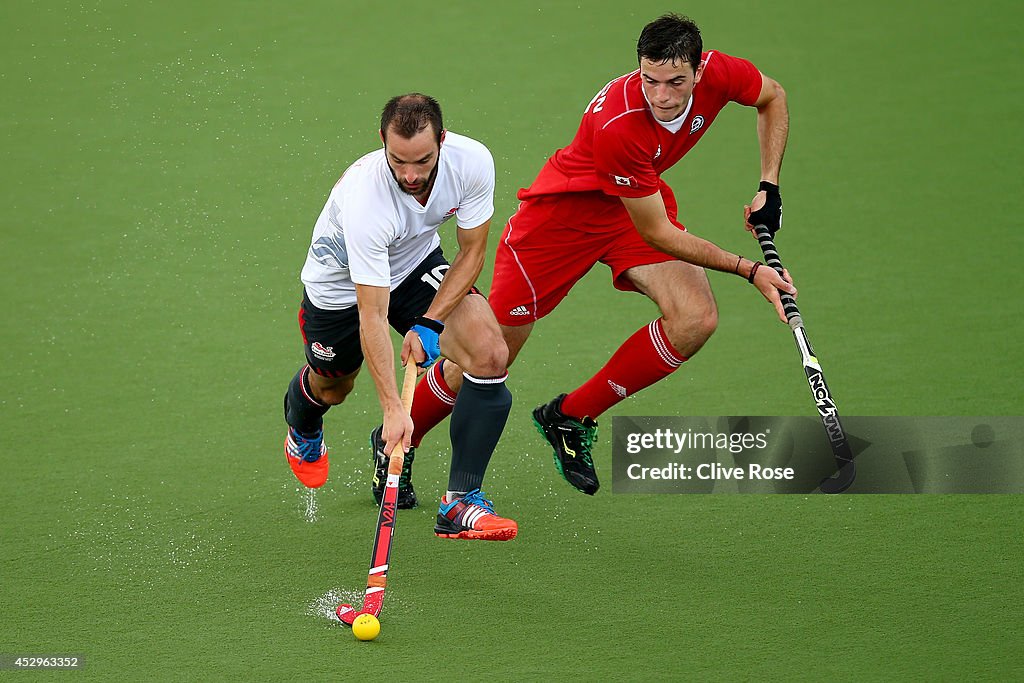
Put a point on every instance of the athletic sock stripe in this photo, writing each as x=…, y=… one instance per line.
x=485, y=380
x=435, y=387
x=303, y=380
x=662, y=346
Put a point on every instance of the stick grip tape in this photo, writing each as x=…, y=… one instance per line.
x=771, y=258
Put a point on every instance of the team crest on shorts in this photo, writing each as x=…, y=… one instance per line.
x=322, y=352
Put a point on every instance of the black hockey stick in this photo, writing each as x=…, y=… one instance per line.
x=815, y=378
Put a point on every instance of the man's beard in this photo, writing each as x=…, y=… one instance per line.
x=427, y=186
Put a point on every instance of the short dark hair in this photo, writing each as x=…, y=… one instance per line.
x=409, y=114
x=670, y=37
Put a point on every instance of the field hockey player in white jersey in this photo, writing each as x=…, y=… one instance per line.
x=375, y=260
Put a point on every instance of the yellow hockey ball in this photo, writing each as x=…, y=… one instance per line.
x=366, y=627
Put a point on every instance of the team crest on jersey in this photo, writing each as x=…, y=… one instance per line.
x=451, y=212
x=322, y=352
x=697, y=124
x=625, y=181
x=658, y=152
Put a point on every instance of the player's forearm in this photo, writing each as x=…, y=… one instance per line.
x=376, y=342
x=773, y=133
x=460, y=278
x=698, y=251
x=375, y=338
x=651, y=221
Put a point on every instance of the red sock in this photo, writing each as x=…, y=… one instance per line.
x=642, y=360
x=432, y=402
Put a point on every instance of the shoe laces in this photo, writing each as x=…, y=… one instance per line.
x=586, y=434
x=476, y=497
x=309, y=447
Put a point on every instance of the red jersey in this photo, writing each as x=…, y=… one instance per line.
x=621, y=150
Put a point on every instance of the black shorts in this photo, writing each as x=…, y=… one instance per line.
x=332, y=337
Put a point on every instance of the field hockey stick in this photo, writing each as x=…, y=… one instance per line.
x=815, y=378
x=380, y=555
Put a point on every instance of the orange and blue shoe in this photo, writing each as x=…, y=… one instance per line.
x=307, y=456
x=472, y=517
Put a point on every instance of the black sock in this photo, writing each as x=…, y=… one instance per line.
x=301, y=410
x=481, y=410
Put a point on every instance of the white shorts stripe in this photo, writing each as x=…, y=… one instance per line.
x=533, y=292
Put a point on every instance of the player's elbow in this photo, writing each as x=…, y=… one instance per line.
x=780, y=93
x=659, y=239
x=773, y=95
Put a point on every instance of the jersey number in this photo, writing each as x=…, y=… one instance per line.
x=434, y=277
x=598, y=101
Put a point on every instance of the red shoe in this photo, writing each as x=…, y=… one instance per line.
x=472, y=517
x=307, y=456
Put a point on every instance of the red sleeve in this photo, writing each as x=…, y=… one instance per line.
x=737, y=79
x=623, y=164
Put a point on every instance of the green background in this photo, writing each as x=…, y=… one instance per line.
x=163, y=164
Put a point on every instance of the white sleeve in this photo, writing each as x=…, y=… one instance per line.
x=477, y=205
x=371, y=227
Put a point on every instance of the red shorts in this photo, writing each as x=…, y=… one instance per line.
x=549, y=243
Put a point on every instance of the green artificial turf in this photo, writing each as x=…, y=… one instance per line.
x=163, y=164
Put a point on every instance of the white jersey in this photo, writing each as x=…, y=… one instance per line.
x=370, y=232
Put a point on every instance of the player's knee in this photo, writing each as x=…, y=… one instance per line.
x=707, y=323
x=688, y=330
x=491, y=360
x=335, y=392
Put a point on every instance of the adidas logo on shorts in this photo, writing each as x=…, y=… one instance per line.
x=519, y=310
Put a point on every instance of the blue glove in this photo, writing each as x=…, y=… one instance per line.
x=429, y=332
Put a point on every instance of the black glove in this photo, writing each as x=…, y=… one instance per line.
x=769, y=215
